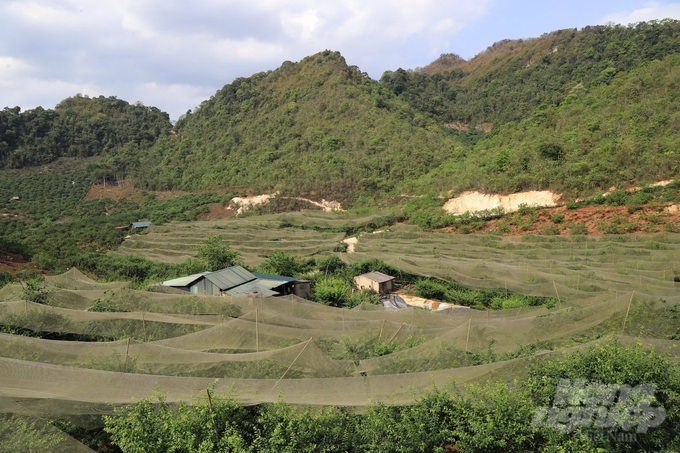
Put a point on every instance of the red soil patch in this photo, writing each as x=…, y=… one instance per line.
x=217, y=211
x=11, y=262
x=591, y=220
x=125, y=190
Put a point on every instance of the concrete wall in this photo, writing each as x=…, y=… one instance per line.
x=302, y=289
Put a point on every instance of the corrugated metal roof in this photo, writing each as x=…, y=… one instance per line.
x=140, y=224
x=258, y=285
x=275, y=277
x=377, y=276
x=230, y=277
x=182, y=281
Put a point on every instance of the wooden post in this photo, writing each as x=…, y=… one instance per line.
x=467, y=340
x=556, y=292
x=127, y=349
x=343, y=322
x=257, y=334
x=212, y=414
x=506, y=288
x=292, y=363
x=381, y=330
x=578, y=282
x=144, y=327
x=395, y=333
x=626, y=318
x=518, y=311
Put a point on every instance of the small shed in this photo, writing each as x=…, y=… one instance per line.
x=233, y=281
x=377, y=281
x=141, y=224
x=286, y=285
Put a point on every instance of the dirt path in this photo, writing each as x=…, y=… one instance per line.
x=350, y=244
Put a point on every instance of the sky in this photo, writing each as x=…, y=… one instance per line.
x=174, y=54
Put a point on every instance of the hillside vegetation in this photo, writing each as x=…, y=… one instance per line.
x=77, y=127
x=575, y=111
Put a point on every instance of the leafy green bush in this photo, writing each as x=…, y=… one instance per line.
x=284, y=264
x=431, y=289
x=331, y=264
x=217, y=254
x=365, y=296
x=332, y=291
x=578, y=229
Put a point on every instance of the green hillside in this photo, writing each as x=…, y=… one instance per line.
x=575, y=111
x=621, y=132
x=511, y=78
x=77, y=127
x=317, y=127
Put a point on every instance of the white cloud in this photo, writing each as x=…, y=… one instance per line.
x=653, y=11
x=141, y=49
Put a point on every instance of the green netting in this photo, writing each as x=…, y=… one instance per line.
x=67, y=390
x=261, y=350
x=252, y=238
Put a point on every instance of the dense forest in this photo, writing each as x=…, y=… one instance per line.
x=575, y=111
x=77, y=127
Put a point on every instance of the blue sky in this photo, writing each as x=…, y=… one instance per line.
x=173, y=54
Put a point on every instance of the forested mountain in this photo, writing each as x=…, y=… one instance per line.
x=77, y=127
x=574, y=110
x=513, y=77
x=318, y=126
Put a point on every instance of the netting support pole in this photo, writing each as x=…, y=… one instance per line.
x=127, y=349
x=578, y=282
x=257, y=334
x=144, y=327
x=292, y=363
x=343, y=322
x=26, y=307
x=557, y=292
x=467, y=340
x=626, y=318
x=381, y=330
x=518, y=312
x=212, y=414
x=395, y=333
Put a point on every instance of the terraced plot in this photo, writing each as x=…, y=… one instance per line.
x=576, y=268
x=254, y=239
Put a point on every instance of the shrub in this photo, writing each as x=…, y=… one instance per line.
x=332, y=291
x=551, y=230
x=367, y=296
x=431, y=289
x=578, y=228
x=284, y=264
x=558, y=218
x=331, y=264
x=217, y=253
